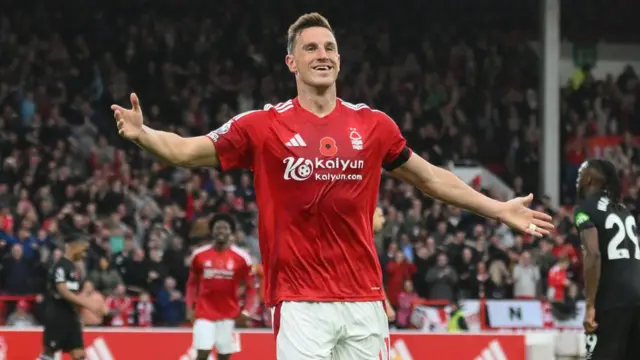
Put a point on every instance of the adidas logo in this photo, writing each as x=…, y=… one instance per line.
x=492, y=352
x=296, y=141
x=98, y=350
x=400, y=351
x=192, y=354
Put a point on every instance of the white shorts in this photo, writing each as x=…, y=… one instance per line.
x=221, y=334
x=331, y=331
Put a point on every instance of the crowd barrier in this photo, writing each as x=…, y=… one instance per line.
x=174, y=344
x=429, y=316
x=499, y=329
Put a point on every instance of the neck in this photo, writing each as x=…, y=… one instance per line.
x=220, y=247
x=319, y=101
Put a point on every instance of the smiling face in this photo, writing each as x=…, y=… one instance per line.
x=313, y=52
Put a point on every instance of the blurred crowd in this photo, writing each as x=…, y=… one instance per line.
x=461, y=86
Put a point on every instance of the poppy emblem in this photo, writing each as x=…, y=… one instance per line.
x=328, y=146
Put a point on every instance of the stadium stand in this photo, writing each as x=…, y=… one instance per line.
x=462, y=87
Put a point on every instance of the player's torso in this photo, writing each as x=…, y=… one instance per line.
x=620, y=254
x=71, y=279
x=220, y=272
x=321, y=177
x=329, y=156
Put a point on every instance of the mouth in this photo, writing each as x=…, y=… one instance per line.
x=322, y=68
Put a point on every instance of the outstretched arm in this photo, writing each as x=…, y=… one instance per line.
x=176, y=150
x=445, y=186
x=168, y=147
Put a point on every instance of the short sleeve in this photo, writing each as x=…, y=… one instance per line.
x=195, y=264
x=582, y=216
x=235, y=140
x=396, y=152
x=59, y=274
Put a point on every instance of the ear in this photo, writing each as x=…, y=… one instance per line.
x=291, y=63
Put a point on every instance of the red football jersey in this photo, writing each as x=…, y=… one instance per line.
x=316, y=182
x=121, y=309
x=214, y=282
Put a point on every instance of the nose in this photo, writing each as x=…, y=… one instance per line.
x=321, y=53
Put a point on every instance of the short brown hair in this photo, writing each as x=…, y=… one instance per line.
x=304, y=22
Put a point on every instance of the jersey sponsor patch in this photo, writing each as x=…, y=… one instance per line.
x=581, y=218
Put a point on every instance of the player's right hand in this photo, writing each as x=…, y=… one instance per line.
x=589, y=323
x=129, y=121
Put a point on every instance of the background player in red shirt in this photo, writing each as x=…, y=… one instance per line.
x=214, y=280
x=317, y=163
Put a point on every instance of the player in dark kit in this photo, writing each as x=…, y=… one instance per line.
x=62, y=326
x=611, y=264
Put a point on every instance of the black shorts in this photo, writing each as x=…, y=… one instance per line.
x=617, y=336
x=62, y=331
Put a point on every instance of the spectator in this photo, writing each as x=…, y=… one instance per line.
x=457, y=322
x=121, y=308
x=398, y=271
x=21, y=318
x=171, y=305
x=481, y=283
x=105, y=278
x=526, y=278
x=564, y=249
x=17, y=272
x=90, y=318
x=28, y=243
x=136, y=271
x=144, y=310
x=442, y=280
x=405, y=305
x=558, y=281
x=500, y=279
x=466, y=270
x=157, y=271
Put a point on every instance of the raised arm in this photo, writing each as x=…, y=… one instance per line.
x=229, y=147
x=168, y=147
x=176, y=150
x=445, y=186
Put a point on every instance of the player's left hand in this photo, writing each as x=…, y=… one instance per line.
x=244, y=319
x=517, y=215
x=391, y=314
x=589, y=323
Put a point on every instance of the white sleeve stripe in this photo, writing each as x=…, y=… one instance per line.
x=284, y=104
x=245, y=255
x=241, y=115
x=280, y=107
x=201, y=249
x=354, y=106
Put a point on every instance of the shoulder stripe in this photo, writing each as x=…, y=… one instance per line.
x=198, y=251
x=245, y=255
x=215, y=134
x=241, y=115
x=355, y=107
x=281, y=107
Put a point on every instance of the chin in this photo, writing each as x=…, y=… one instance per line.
x=321, y=81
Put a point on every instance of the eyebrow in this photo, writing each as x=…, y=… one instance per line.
x=326, y=43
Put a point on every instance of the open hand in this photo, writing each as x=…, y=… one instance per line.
x=129, y=121
x=517, y=215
